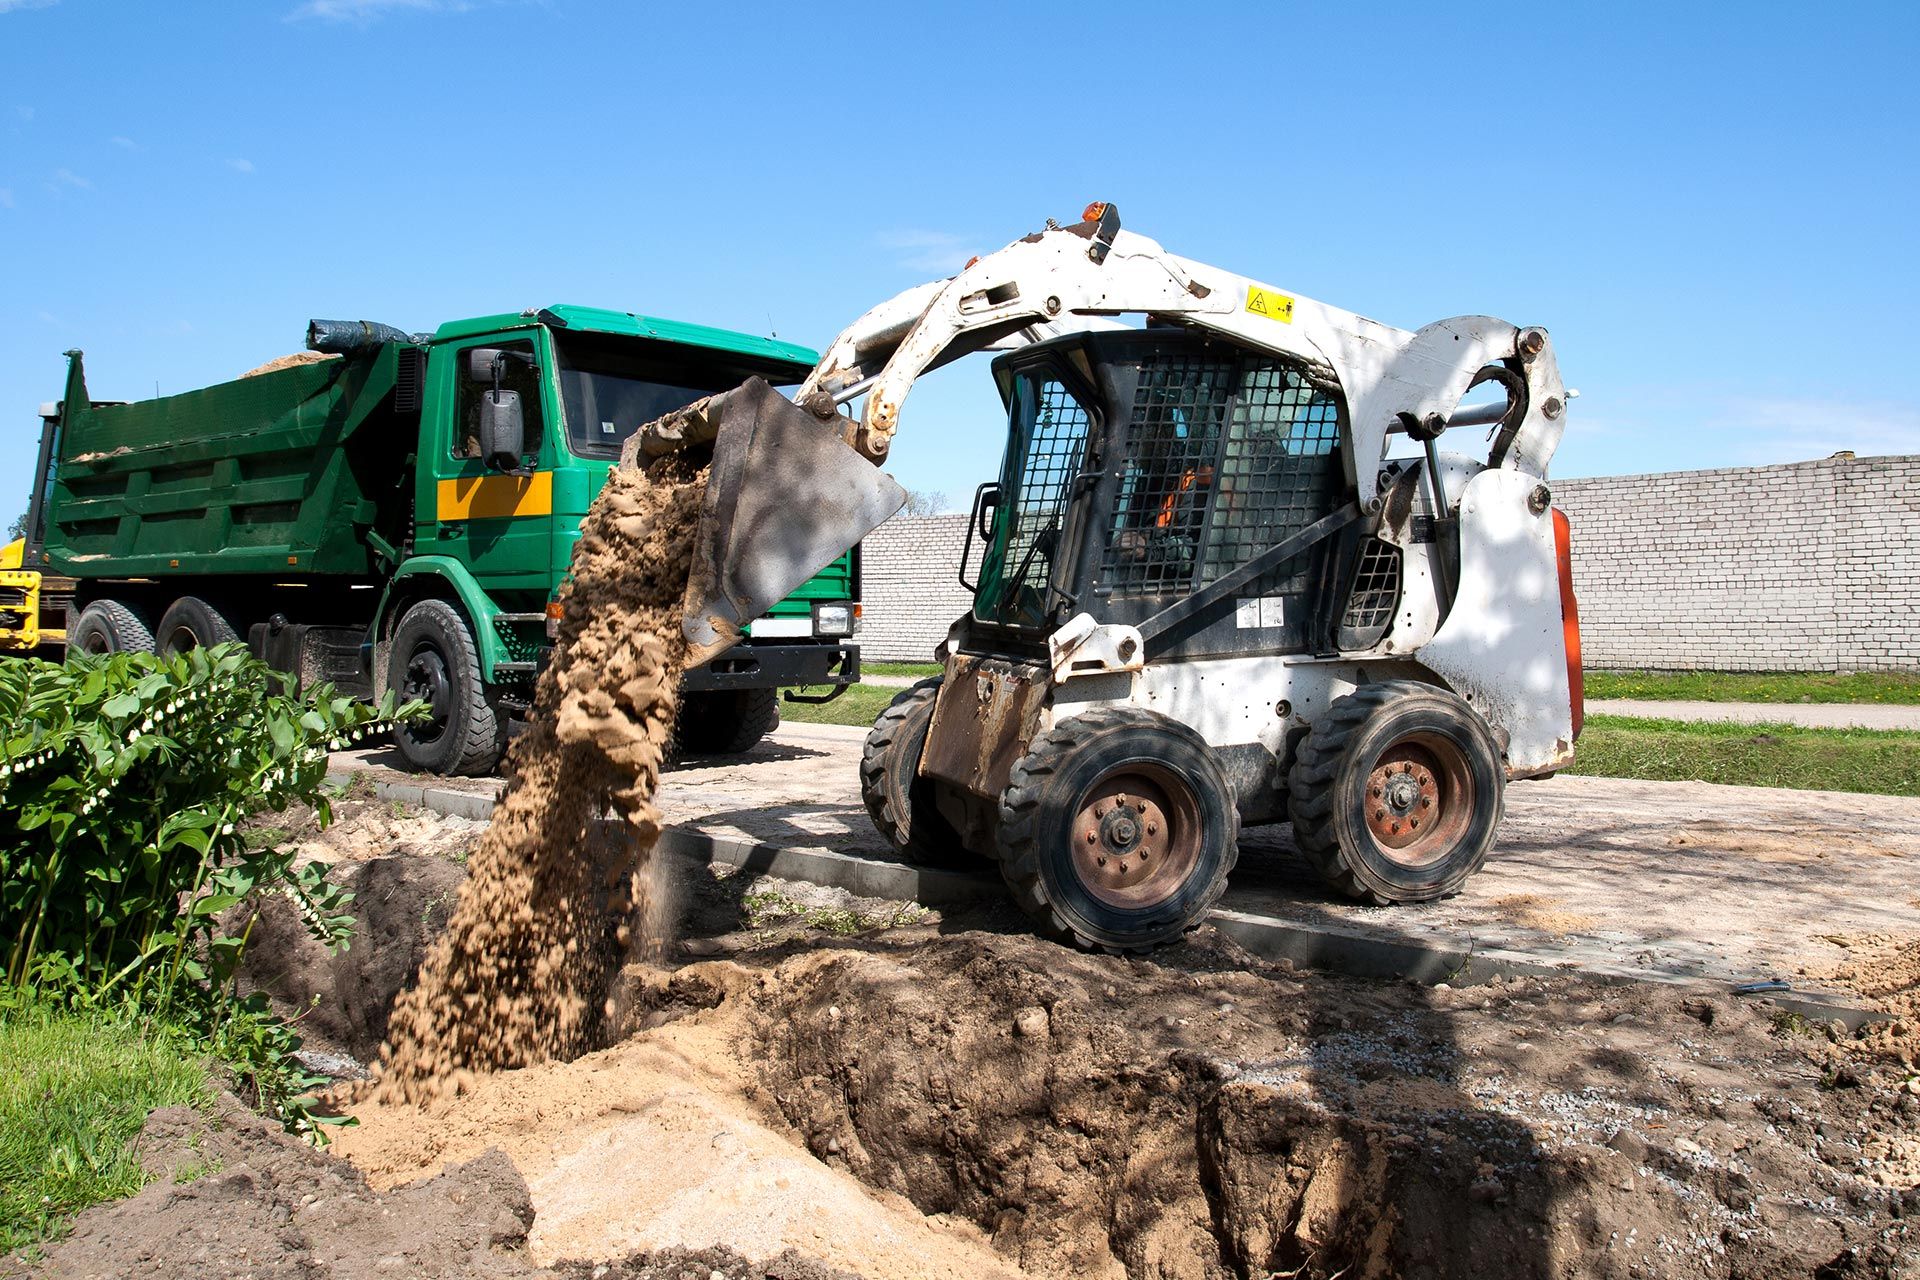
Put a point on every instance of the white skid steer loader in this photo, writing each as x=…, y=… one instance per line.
x=1208, y=596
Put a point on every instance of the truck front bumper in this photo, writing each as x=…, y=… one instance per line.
x=772, y=666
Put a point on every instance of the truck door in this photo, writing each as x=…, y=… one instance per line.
x=500, y=525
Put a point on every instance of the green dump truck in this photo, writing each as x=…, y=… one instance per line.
x=398, y=512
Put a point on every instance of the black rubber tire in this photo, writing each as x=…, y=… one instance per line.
x=900, y=801
x=1046, y=791
x=433, y=657
x=192, y=623
x=107, y=626
x=724, y=722
x=1327, y=790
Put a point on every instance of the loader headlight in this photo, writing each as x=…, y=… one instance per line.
x=834, y=619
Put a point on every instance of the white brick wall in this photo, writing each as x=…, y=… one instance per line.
x=1812, y=566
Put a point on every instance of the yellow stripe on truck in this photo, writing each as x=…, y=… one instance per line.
x=487, y=497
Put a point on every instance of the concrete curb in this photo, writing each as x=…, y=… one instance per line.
x=1324, y=946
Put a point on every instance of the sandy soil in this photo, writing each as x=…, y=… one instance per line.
x=954, y=1097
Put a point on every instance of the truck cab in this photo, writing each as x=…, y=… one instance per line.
x=398, y=513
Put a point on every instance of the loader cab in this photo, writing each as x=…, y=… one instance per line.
x=1144, y=465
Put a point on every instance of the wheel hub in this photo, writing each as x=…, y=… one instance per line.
x=1419, y=798
x=1135, y=838
x=427, y=681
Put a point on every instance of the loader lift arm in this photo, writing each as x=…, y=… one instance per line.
x=1393, y=379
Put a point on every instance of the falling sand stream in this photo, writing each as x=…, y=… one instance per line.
x=556, y=896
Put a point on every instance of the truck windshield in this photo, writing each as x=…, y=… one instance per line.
x=610, y=385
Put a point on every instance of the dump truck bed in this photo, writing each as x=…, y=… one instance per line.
x=280, y=473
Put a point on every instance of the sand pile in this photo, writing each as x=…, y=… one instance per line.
x=555, y=897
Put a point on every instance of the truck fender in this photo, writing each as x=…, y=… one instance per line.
x=419, y=577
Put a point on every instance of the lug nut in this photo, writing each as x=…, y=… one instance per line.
x=1414, y=823
x=1426, y=802
x=1123, y=868
x=1103, y=860
x=1396, y=828
x=1376, y=793
x=1379, y=813
x=1153, y=829
x=1093, y=837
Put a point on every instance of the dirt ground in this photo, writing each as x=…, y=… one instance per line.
x=814, y=1085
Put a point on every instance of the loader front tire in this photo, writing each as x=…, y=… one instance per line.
x=1396, y=793
x=434, y=659
x=1117, y=830
x=900, y=801
x=107, y=626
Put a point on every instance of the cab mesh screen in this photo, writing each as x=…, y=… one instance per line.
x=1224, y=458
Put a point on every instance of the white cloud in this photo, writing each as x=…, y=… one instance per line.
x=1796, y=430
x=8, y=6
x=124, y=143
x=68, y=178
x=922, y=250
x=6, y=197
x=925, y=250
x=239, y=165
x=367, y=10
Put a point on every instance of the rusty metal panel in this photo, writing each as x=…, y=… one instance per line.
x=986, y=714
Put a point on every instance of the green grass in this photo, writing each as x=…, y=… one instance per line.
x=1753, y=755
x=918, y=670
x=1757, y=686
x=861, y=704
x=74, y=1091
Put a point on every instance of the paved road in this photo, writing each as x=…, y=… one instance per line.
x=1817, y=715
x=1681, y=879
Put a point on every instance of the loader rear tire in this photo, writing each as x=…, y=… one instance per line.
x=1396, y=793
x=1163, y=821
x=724, y=722
x=433, y=659
x=900, y=801
x=107, y=626
x=192, y=623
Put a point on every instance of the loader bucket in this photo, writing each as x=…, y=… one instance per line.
x=785, y=497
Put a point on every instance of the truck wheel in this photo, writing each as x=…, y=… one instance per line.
x=107, y=626
x=898, y=799
x=1396, y=793
x=191, y=623
x=434, y=660
x=1118, y=829
x=725, y=722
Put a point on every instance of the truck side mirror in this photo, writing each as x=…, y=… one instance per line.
x=484, y=364
x=503, y=430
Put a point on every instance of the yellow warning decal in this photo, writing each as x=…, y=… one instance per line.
x=483, y=497
x=1271, y=303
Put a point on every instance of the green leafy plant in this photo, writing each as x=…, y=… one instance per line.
x=124, y=782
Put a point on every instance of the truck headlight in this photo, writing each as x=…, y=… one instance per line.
x=833, y=619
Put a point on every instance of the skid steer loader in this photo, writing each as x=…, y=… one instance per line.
x=1228, y=577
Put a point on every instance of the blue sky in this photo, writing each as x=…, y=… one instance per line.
x=1711, y=207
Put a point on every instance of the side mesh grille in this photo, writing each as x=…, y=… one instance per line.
x=1374, y=596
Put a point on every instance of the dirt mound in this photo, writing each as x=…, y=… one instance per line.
x=293, y=361
x=262, y=1204
x=666, y=1141
x=703, y=1264
x=1882, y=967
x=554, y=896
